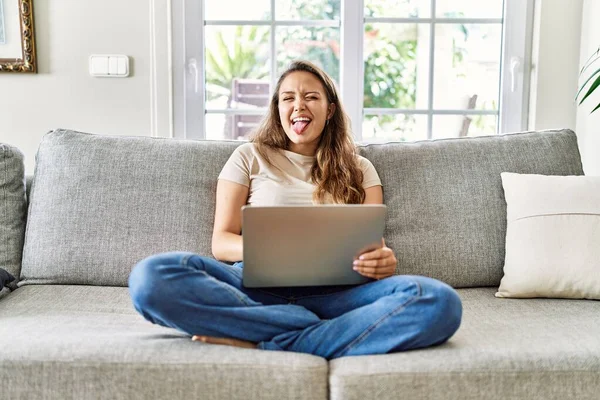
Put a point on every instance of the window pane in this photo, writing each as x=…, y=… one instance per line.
x=467, y=66
x=396, y=127
x=469, y=8
x=453, y=126
x=397, y=8
x=396, y=65
x=237, y=9
x=237, y=66
x=307, y=9
x=318, y=45
x=230, y=126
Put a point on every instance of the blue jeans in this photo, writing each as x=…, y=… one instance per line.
x=201, y=296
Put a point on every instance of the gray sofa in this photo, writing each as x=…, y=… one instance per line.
x=98, y=204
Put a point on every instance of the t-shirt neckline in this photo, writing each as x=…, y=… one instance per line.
x=299, y=157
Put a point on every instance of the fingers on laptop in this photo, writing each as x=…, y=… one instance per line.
x=376, y=257
x=375, y=273
x=376, y=264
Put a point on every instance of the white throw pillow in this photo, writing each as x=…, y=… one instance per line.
x=552, y=236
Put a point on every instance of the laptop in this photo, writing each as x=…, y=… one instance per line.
x=308, y=245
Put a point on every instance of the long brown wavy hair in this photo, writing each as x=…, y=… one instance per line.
x=336, y=170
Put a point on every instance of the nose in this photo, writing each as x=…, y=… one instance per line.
x=298, y=104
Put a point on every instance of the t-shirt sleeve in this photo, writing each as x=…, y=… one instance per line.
x=238, y=166
x=370, y=175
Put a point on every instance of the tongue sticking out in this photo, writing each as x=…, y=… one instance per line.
x=299, y=126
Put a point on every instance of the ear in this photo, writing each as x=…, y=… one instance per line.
x=331, y=110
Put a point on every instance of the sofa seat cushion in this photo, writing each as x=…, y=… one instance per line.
x=505, y=349
x=85, y=342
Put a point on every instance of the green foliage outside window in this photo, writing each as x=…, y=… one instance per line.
x=244, y=59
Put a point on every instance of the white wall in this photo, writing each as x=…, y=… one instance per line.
x=64, y=95
x=588, y=125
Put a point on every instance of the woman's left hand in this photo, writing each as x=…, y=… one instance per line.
x=376, y=264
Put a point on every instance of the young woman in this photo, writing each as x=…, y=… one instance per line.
x=303, y=153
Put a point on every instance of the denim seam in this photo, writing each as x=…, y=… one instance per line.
x=184, y=262
x=370, y=329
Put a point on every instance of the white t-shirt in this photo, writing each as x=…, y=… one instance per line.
x=288, y=183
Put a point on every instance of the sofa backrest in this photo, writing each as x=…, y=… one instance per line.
x=99, y=204
x=446, y=208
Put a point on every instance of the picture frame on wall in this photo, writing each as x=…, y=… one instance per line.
x=17, y=37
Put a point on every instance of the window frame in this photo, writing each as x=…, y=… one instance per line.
x=188, y=49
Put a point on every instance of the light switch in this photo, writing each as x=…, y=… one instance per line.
x=109, y=65
x=123, y=66
x=112, y=65
x=98, y=65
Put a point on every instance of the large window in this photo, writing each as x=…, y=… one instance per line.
x=406, y=69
